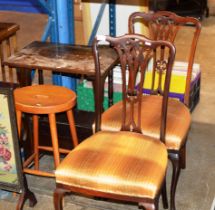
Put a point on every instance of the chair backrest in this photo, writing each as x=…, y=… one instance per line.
x=164, y=25
x=8, y=46
x=135, y=54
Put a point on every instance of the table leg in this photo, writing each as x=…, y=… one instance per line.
x=206, y=8
x=40, y=76
x=25, y=195
x=24, y=77
x=155, y=6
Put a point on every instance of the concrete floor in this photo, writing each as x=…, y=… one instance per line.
x=196, y=187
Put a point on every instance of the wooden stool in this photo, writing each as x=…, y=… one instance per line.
x=8, y=45
x=45, y=99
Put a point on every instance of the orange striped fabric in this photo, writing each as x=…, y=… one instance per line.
x=123, y=163
x=178, y=120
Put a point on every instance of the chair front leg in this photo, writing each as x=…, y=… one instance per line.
x=149, y=206
x=58, y=198
x=164, y=195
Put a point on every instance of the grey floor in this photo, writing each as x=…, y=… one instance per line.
x=196, y=187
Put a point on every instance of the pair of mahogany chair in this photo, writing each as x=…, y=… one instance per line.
x=127, y=159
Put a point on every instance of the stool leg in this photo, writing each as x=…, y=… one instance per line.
x=36, y=142
x=19, y=121
x=53, y=129
x=72, y=127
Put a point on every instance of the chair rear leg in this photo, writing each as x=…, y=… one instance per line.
x=175, y=159
x=183, y=157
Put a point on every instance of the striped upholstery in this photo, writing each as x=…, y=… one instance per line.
x=178, y=120
x=122, y=163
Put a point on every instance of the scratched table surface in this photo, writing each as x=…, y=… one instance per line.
x=62, y=58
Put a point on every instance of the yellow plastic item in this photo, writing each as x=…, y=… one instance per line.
x=178, y=78
x=177, y=84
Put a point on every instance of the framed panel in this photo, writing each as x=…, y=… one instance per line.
x=11, y=176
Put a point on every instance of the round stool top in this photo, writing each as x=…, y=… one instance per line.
x=44, y=99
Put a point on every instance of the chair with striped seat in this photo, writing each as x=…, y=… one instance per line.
x=165, y=25
x=123, y=165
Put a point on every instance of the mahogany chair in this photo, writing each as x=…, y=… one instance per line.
x=165, y=25
x=123, y=165
x=162, y=26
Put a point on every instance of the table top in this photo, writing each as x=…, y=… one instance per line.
x=7, y=30
x=65, y=58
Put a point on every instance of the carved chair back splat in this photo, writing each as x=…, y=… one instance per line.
x=135, y=56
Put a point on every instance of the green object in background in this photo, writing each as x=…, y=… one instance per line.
x=85, y=98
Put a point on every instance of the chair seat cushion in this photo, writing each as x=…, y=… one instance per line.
x=178, y=120
x=122, y=163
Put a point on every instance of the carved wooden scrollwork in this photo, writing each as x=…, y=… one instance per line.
x=161, y=66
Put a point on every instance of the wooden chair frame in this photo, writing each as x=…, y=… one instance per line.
x=164, y=25
x=8, y=45
x=137, y=57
